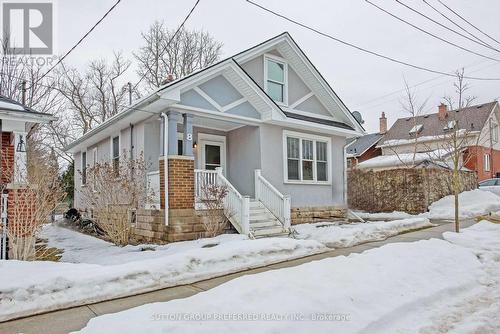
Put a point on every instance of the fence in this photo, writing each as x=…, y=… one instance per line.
x=406, y=189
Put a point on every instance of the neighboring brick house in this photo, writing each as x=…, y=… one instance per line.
x=365, y=147
x=478, y=128
x=16, y=120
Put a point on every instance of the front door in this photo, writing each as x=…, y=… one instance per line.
x=213, y=153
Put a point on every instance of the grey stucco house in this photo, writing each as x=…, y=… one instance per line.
x=263, y=121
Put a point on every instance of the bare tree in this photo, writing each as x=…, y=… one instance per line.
x=95, y=95
x=17, y=73
x=460, y=134
x=39, y=194
x=414, y=108
x=165, y=52
x=112, y=192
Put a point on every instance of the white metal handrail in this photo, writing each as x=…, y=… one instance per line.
x=237, y=206
x=202, y=179
x=276, y=202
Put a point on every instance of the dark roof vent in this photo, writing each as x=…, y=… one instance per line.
x=426, y=115
x=480, y=106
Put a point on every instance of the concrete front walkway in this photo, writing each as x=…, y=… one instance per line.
x=65, y=321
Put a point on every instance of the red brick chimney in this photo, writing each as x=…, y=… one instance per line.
x=383, y=123
x=170, y=78
x=442, y=111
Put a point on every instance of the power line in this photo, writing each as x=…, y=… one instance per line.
x=361, y=48
x=79, y=41
x=456, y=24
x=427, y=32
x=464, y=19
x=33, y=82
x=173, y=36
x=416, y=85
x=480, y=42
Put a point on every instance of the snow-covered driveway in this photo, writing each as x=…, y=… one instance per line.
x=426, y=286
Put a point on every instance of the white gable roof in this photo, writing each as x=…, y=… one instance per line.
x=169, y=94
x=294, y=55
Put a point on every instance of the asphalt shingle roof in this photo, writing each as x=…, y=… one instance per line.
x=471, y=118
x=360, y=144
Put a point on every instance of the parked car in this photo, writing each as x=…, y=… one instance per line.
x=492, y=185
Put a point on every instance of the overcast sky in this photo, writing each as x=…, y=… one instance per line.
x=359, y=79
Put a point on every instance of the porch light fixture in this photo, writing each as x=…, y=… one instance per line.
x=194, y=144
x=21, y=146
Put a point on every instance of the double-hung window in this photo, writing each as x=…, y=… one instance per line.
x=84, y=168
x=487, y=163
x=115, y=155
x=276, y=79
x=307, y=158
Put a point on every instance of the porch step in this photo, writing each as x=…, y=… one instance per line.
x=263, y=224
x=267, y=231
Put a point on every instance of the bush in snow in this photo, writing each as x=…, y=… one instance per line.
x=217, y=213
x=113, y=191
x=37, y=194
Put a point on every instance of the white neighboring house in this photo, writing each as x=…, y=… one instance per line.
x=265, y=118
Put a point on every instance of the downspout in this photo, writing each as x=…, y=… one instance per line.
x=345, y=174
x=131, y=141
x=164, y=117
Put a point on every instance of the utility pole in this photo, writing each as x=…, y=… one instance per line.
x=23, y=92
x=129, y=93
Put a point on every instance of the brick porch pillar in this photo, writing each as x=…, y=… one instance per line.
x=180, y=182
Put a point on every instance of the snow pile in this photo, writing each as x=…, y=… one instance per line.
x=83, y=248
x=383, y=215
x=347, y=235
x=368, y=293
x=33, y=287
x=395, y=160
x=481, y=237
x=471, y=204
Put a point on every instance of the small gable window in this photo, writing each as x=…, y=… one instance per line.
x=416, y=129
x=276, y=79
x=450, y=125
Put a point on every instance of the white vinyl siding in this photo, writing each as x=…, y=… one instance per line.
x=307, y=158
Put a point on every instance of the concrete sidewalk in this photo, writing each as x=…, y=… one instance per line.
x=65, y=321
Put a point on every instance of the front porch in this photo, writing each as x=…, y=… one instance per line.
x=202, y=151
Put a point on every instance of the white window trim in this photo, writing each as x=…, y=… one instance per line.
x=82, y=167
x=314, y=138
x=487, y=162
x=285, y=74
x=205, y=138
x=94, y=156
x=111, y=145
x=94, y=162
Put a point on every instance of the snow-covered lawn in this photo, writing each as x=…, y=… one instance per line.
x=82, y=248
x=347, y=235
x=430, y=286
x=472, y=204
x=383, y=215
x=111, y=272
